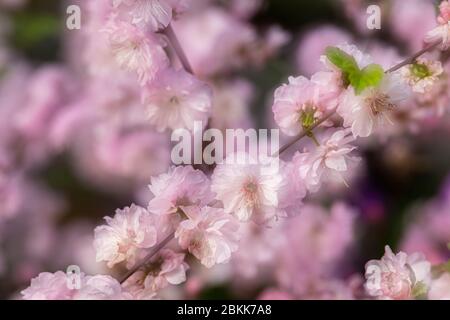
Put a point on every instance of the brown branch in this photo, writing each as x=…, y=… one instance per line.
x=170, y=33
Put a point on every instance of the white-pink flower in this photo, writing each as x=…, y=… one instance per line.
x=248, y=188
x=442, y=34
x=300, y=103
x=136, y=50
x=156, y=14
x=177, y=100
x=329, y=158
x=423, y=74
x=48, y=286
x=167, y=267
x=397, y=276
x=58, y=286
x=181, y=186
x=370, y=110
x=440, y=288
x=210, y=234
x=131, y=229
x=444, y=12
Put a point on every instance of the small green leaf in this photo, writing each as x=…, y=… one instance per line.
x=370, y=76
x=345, y=62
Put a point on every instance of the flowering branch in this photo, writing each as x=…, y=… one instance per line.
x=148, y=257
x=170, y=33
x=411, y=59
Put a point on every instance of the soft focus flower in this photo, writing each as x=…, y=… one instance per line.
x=440, y=288
x=181, y=186
x=156, y=14
x=210, y=234
x=397, y=276
x=136, y=50
x=48, y=286
x=131, y=229
x=177, y=100
x=422, y=74
x=331, y=157
x=57, y=286
x=248, y=188
x=300, y=103
x=442, y=34
x=444, y=12
x=370, y=110
x=167, y=267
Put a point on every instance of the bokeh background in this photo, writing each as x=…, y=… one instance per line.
x=401, y=179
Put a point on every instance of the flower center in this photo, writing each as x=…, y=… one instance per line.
x=379, y=103
x=308, y=115
x=420, y=71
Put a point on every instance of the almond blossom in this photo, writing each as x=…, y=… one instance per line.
x=210, y=234
x=248, y=188
x=157, y=14
x=370, y=110
x=55, y=286
x=330, y=157
x=130, y=230
x=136, y=50
x=422, y=74
x=442, y=32
x=166, y=268
x=180, y=186
x=177, y=100
x=397, y=276
x=300, y=103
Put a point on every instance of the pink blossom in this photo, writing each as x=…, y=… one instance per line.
x=55, y=286
x=300, y=103
x=210, y=234
x=444, y=12
x=248, y=187
x=329, y=158
x=370, y=110
x=181, y=186
x=177, y=100
x=166, y=268
x=131, y=229
x=48, y=286
x=440, y=34
x=136, y=50
x=100, y=287
x=397, y=276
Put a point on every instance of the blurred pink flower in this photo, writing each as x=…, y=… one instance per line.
x=177, y=100
x=48, y=286
x=442, y=34
x=397, y=276
x=136, y=50
x=130, y=230
x=275, y=294
x=370, y=110
x=100, y=287
x=444, y=12
x=167, y=267
x=181, y=186
x=329, y=158
x=248, y=188
x=300, y=103
x=210, y=234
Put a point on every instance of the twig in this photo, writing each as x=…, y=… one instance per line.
x=149, y=256
x=413, y=58
x=170, y=33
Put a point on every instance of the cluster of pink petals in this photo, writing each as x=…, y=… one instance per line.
x=180, y=186
x=442, y=32
x=210, y=234
x=57, y=286
x=397, y=276
x=331, y=157
x=167, y=267
x=299, y=97
x=177, y=100
x=130, y=230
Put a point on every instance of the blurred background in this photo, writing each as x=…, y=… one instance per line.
x=61, y=173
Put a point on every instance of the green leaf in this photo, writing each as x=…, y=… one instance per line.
x=345, y=62
x=370, y=76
